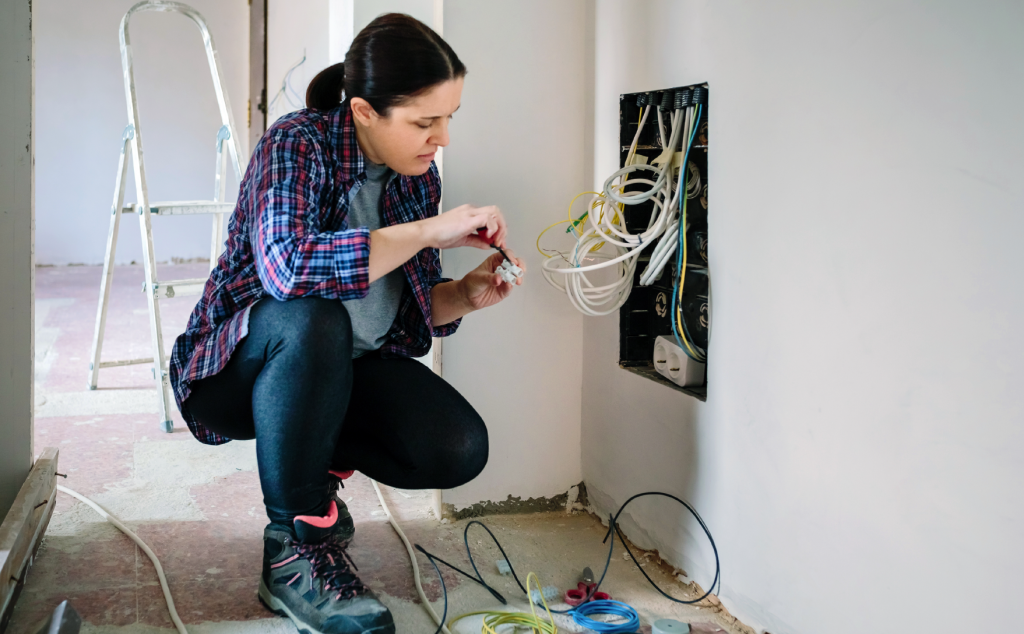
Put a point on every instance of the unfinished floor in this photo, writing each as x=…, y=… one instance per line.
x=200, y=508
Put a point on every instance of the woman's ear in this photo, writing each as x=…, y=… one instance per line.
x=363, y=111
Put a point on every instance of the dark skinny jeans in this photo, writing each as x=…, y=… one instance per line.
x=293, y=386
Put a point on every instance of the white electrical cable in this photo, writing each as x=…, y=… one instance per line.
x=669, y=242
x=412, y=558
x=606, y=227
x=149, y=553
x=163, y=579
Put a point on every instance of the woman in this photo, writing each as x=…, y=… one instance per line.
x=330, y=282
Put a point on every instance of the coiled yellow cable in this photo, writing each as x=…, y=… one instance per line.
x=495, y=619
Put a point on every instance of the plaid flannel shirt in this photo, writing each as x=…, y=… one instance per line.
x=288, y=237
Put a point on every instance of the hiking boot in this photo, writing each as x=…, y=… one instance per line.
x=308, y=577
x=346, y=528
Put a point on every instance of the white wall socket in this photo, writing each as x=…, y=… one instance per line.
x=673, y=364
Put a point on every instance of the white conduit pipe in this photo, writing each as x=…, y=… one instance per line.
x=135, y=538
x=412, y=558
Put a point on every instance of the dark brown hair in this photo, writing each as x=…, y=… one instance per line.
x=396, y=57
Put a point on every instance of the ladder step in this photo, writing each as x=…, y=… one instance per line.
x=117, y=364
x=183, y=207
x=177, y=288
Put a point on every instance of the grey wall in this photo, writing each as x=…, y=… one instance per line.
x=80, y=107
x=16, y=266
x=512, y=145
x=860, y=455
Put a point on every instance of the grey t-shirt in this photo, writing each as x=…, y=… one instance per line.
x=373, y=315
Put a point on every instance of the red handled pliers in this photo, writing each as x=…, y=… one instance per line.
x=582, y=591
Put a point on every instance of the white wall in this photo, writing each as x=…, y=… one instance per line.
x=80, y=107
x=16, y=266
x=296, y=29
x=860, y=455
x=367, y=10
x=519, y=362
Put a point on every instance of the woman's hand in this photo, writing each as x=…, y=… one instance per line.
x=482, y=287
x=459, y=228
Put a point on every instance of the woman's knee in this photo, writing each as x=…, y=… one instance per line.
x=311, y=324
x=465, y=456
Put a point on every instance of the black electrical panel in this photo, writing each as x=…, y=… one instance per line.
x=646, y=313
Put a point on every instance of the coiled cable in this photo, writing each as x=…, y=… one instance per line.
x=613, y=529
x=614, y=608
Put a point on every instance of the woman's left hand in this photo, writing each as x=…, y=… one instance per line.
x=483, y=287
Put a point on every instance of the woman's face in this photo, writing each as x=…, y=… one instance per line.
x=407, y=139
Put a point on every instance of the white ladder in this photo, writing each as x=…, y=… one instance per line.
x=132, y=140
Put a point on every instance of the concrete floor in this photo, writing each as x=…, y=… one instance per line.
x=199, y=507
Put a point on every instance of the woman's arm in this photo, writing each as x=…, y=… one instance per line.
x=391, y=247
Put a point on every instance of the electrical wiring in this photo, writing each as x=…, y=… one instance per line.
x=614, y=608
x=294, y=99
x=494, y=619
x=571, y=275
x=682, y=338
x=668, y=245
x=613, y=530
x=439, y=620
x=607, y=228
x=146, y=549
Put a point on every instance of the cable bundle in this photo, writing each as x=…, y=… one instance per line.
x=603, y=607
x=495, y=619
x=679, y=329
x=614, y=608
x=604, y=223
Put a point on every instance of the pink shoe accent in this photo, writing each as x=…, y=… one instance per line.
x=297, y=575
x=321, y=522
x=344, y=475
x=281, y=563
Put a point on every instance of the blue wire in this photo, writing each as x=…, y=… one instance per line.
x=682, y=236
x=614, y=608
x=613, y=529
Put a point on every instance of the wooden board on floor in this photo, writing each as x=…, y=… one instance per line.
x=23, y=529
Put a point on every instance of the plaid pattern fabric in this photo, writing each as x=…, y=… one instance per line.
x=288, y=237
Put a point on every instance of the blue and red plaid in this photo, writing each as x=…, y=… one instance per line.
x=288, y=237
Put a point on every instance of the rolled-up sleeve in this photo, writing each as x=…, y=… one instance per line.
x=294, y=256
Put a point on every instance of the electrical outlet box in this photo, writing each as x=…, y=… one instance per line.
x=647, y=315
x=673, y=363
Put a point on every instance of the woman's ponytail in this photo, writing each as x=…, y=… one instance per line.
x=395, y=58
x=325, y=90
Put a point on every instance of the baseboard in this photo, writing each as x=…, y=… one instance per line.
x=514, y=505
x=23, y=529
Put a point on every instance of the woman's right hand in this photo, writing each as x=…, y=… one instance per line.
x=459, y=227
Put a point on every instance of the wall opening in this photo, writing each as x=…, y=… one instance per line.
x=664, y=326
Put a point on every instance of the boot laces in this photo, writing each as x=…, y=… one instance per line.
x=330, y=562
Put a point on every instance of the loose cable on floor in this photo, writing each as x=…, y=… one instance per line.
x=613, y=529
x=613, y=608
x=439, y=620
x=135, y=538
x=493, y=619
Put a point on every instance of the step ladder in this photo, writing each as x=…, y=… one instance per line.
x=131, y=141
